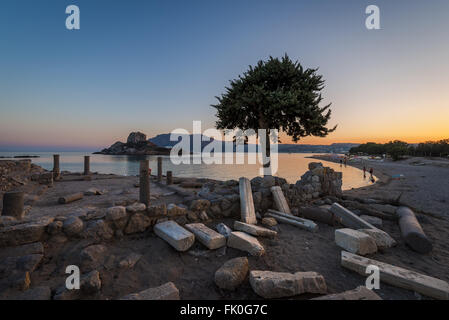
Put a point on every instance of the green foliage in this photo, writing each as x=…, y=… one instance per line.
x=275, y=94
x=370, y=148
x=398, y=149
x=432, y=148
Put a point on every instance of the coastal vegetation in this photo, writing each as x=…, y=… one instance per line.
x=398, y=149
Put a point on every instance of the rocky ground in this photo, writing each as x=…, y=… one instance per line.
x=423, y=185
x=119, y=254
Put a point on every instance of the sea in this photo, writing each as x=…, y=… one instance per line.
x=291, y=166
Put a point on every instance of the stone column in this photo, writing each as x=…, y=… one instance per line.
x=144, y=182
x=169, y=177
x=412, y=231
x=159, y=169
x=13, y=204
x=86, y=165
x=56, y=171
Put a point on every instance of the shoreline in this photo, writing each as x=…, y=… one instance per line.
x=381, y=177
x=420, y=185
x=291, y=167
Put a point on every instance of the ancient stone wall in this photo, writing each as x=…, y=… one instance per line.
x=224, y=197
x=215, y=199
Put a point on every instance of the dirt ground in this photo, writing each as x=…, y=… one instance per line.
x=115, y=189
x=193, y=271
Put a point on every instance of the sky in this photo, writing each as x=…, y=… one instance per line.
x=154, y=66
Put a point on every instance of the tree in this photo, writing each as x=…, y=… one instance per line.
x=397, y=149
x=275, y=94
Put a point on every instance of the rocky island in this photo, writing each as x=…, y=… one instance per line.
x=136, y=144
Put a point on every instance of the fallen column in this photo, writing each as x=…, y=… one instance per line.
x=242, y=241
x=246, y=202
x=412, y=232
x=71, y=198
x=269, y=285
x=178, y=237
x=319, y=214
x=208, y=237
x=397, y=276
x=349, y=219
x=167, y=291
x=295, y=221
x=359, y=293
x=383, y=240
x=279, y=199
x=254, y=230
x=13, y=204
x=355, y=241
x=144, y=185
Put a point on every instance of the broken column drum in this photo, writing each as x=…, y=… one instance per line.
x=13, y=204
x=86, y=165
x=144, y=191
x=159, y=169
x=412, y=232
x=169, y=177
x=56, y=170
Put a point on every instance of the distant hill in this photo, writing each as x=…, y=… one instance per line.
x=163, y=140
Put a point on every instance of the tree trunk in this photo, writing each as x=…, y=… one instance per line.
x=266, y=152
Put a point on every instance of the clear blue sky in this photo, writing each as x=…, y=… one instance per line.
x=155, y=66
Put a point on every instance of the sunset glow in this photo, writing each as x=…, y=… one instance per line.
x=92, y=87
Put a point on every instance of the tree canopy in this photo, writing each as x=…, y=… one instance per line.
x=275, y=94
x=396, y=149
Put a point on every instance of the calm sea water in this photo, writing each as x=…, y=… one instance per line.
x=291, y=166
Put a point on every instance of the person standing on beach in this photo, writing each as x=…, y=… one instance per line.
x=364, y=171
x=371, y=171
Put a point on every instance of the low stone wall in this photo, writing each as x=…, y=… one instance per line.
x=215, y=199
x=224, y=197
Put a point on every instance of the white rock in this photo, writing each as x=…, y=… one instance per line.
x=359, y=293
x=269, y=285
x=355, y=241
x=383, y=240
x=254, y=230
x=167, y=291
x=207, y=236
x=242, y=241
x=178, y=237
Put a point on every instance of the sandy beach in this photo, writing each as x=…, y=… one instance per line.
x=423, y=187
